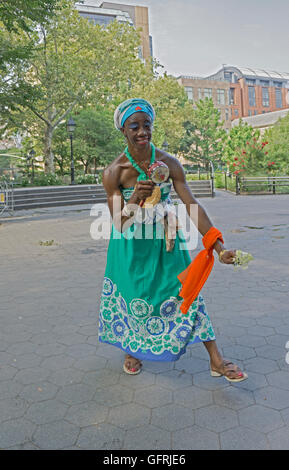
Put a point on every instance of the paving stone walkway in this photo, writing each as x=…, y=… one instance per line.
x=60, y=389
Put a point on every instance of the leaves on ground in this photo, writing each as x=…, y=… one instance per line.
x=46, y=243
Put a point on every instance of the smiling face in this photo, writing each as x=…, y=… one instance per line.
x=138, y=130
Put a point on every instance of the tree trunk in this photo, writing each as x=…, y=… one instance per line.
x=48, y=154
x=86, y=165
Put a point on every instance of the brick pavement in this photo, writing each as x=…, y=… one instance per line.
x=60, y=389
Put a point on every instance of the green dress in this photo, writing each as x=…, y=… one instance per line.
x=140, y=306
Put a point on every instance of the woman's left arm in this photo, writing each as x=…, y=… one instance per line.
x=199, y=216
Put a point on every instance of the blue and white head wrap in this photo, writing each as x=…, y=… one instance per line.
x=129, y=107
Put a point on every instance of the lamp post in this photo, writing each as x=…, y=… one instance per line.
x=70, y=129
x=29, y=157
x=32, y=155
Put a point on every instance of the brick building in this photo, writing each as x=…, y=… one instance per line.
x=107, y=12
x=198, y=88
x=254, y=91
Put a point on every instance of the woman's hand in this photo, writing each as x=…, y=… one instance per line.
x=227, y=256
x=143, y=189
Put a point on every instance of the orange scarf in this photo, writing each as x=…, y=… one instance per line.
x=195, y=275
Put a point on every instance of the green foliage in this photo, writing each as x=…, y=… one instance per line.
x=278, y=147
x=237, y=140
x=204, y=136
x=245, y=152
x=75, y=64
x=43, y=179
x=196, y=177
x=241, y=152
x=220, y=181
x=251, y=160
x=96, y=142
x=6, y=159
x=19, y=14
x=85, y=179
x=18, y=19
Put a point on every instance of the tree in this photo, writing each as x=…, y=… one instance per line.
x=204, y=134
x=236, y=148
x=74, y=63
x=96, y=141
x=18, y=14
x=245, y=152
x=278, y=146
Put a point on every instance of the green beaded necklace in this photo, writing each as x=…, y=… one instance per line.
x=142, y=175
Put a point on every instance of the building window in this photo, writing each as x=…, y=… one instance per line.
x=278, y=97
x=265, y=97
x=208, y=92
x=277, y=84
x=140, y=54
x=220, y=96
x=228, y=77
x=250, y=81
x=151, y=46
x=189, y=91
x=200, y=93
x=236, y=112
x=264, y=82
x=232, y=96
x=98, y=19
x=252, y=96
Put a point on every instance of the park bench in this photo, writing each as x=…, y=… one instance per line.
x=261, y=183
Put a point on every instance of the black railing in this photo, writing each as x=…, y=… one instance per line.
x=255, y=184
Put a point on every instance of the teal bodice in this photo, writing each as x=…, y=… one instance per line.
x=164, y=187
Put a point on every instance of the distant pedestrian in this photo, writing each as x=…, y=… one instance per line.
x=151, y=307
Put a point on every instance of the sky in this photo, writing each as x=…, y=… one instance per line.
x=195, y=37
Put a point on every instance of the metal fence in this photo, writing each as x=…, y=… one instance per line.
x=6, y=196
x=269, y=184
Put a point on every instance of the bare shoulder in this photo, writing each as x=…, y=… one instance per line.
x=175, y=166
x=112, y=173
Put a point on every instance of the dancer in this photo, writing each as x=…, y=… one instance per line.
x=146, y=309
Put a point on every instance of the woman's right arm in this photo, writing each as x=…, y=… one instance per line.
x=110, y=181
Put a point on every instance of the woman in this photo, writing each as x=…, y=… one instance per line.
x=140, y=304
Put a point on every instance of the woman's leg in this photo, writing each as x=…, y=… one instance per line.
x=218, y=364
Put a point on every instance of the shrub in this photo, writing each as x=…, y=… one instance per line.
x=195, y=177
x=219, y=180
x=85, y=179
x=46, y=180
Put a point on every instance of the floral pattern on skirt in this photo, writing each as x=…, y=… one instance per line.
x=138, y=330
